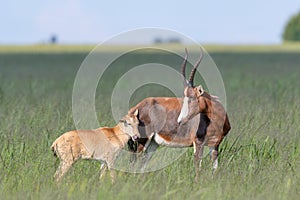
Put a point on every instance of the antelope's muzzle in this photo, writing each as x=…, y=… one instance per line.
x=135, y=138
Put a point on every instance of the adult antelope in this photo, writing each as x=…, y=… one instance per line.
x=196, y=101
x=158, y=123
x=102, y=144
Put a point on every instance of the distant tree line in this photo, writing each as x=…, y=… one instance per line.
x=292, y=29
x=171, y=40
x=53, y=39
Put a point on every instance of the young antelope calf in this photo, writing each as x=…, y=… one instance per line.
x=101, y=144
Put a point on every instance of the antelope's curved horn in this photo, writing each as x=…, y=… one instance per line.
x=191, y=79
x=183, y=65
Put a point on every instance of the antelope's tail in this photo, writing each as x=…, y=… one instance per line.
x=54, y=148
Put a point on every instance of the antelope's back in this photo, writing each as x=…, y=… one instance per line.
x=95, y=141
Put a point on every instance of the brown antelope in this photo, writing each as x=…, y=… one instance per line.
x=101, y=144
x=158, y=124
x=196, y=101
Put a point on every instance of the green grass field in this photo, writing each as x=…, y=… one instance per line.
x=260, y=157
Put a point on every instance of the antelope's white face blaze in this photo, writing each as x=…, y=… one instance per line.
x=184, y=110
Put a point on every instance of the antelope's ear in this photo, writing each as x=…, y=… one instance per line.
x=199, y=90
x=136, y=112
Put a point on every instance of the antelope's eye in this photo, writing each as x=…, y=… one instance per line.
x=129, y=124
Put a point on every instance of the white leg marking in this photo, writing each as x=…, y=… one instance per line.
x=201, y=155
x=200, y=163
x=215, y=165
x=215, y=162
x=194, y=145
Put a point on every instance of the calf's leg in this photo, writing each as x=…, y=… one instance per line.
x=62, y=169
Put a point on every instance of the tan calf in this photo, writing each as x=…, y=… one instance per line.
x=101, y=144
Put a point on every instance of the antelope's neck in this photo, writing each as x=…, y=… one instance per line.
x=122, y=135
x=204, y=104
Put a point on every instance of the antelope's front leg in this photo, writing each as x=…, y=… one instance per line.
x=110, y=163
x=149, y=150
x=148, y=142
x=103, y=169
x=112, y=173
x=198, y=155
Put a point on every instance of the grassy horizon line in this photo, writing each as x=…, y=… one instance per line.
x=211, y=48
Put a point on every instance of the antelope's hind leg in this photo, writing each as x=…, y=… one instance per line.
x=62, y=169
x=214, y=158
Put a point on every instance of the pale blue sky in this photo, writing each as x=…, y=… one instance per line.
x=82, y=21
